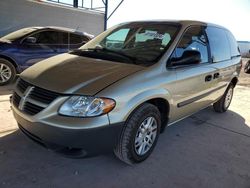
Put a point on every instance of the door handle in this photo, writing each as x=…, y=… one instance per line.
x=208, y=78
x=216, y=75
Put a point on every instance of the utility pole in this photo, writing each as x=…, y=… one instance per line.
x=106, y=15
x=75, y=3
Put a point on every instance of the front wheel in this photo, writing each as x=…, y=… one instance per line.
x=223, y=104
x=7, y=72
x=139, y=135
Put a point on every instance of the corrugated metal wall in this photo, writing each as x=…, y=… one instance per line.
x=16, y=14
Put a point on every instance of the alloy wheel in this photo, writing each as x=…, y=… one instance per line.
x=5, y=73
x=145, y=136
x=228, y=97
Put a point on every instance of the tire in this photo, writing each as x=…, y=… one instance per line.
x=136, y=131
x=7, y=72
x=225, y=101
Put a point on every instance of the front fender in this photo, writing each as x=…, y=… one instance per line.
x=123, y=109
x=11, y=60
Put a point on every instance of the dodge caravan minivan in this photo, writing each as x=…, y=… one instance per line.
x=120, y=90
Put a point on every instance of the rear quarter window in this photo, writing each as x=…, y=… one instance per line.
x=77, y=39
x=233, y=45
x=219, y=44
x=47, y=37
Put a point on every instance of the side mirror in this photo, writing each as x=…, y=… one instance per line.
x=247, y=68
x=189, y=57
x=30, y=40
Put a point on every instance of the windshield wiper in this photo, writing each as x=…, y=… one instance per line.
x=132, y=60
x=102, y=49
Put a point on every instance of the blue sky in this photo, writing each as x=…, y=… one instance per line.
x=233, y=14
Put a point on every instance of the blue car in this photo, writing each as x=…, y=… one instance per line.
x=25, y=47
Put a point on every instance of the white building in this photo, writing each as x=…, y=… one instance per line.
x=16, y=14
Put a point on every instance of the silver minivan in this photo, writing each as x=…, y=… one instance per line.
x=120, y=90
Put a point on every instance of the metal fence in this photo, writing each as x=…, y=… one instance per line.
x=94, y=5
x=100, y=6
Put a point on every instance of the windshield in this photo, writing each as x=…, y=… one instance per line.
x=142, y=42
x=18, y=34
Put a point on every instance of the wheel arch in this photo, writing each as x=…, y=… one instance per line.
x=164, y=108
x=161, y=103
x=234, y=81
x=10, y=60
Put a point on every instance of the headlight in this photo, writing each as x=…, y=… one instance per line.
x=86, y=106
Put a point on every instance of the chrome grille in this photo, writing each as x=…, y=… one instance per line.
x=16, y=99
x=22, y=85
x=32, y=109
x=34, y=101
x=43, y=95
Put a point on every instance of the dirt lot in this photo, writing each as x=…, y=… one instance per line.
x=205, y=150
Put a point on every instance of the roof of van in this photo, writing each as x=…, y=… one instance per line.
x=247, y=42
x=182, y=22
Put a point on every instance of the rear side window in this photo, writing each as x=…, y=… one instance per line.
x=77, y=39
x=233, y=45
x=47, y=37
x=69, y=38
x=219, y=44
x=65, y=37
x=85, y=39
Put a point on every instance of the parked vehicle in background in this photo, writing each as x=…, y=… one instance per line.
x=120, y=90
x=247, y=67
x=25, y=47
x=244, y=48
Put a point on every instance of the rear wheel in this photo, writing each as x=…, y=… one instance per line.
x=139, y=135
x=7, y=72
x=225, y=101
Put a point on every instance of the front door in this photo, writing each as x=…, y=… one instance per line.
x=194, y=83
x=45, y=44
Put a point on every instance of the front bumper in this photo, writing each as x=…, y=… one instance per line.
x=87, y=141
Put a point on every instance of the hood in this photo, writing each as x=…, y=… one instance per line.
x=4, y=41
x=71, y=74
